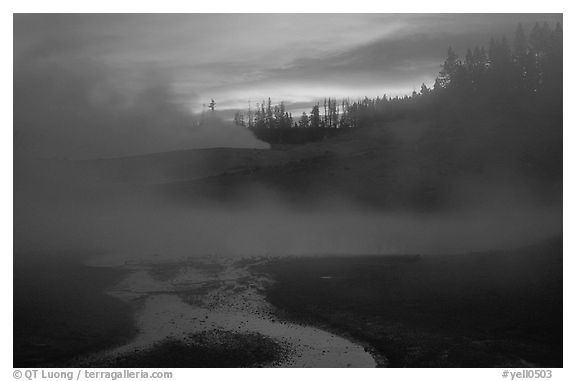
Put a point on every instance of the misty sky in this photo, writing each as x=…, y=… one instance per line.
x=162, y=67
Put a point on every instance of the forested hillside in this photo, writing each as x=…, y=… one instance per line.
x=519, y=80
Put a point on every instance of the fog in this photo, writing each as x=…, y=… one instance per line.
x=82, y=113
x=80, y=108
x=72, y=104
x=122, y=221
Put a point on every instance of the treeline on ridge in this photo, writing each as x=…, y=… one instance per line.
x=518, y=79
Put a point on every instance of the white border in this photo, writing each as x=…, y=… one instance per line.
x=258, y=6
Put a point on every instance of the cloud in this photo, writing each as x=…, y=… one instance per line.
x=122, y=84
x=394, y=62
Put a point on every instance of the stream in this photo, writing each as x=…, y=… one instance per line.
x=191, y=299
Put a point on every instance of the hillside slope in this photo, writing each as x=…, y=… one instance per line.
x=407, y=164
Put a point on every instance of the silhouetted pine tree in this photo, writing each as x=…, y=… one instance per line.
x=315, y=118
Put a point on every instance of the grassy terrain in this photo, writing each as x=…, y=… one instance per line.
x=494, y=309
x=61, y=310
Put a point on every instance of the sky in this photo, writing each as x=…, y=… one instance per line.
x=164, y=67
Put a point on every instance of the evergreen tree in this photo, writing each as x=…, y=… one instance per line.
x=315, y=118
x=424, y=90
x=522, y=59
x=449, y=69
x=269, y=114
x=304, y=121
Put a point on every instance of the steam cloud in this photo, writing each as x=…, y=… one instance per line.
x=70, y=106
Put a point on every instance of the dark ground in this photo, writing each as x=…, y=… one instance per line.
x=61, y=310
x=214, y=349
x=493, y=309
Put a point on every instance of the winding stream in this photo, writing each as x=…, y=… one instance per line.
x=196, y=300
